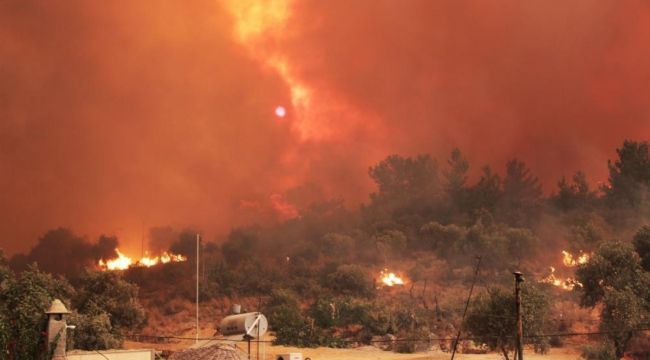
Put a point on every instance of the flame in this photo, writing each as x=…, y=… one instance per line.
x=390, y=279
x=254, y=18
x=123, y=262
x=259, y=23
x=565, y=284
x=570, y=260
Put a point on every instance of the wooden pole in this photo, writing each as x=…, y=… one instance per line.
x=197, y=287
x=520, y=329
x=469, y=297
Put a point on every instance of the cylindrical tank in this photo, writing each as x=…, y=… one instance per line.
x=241, y=324
x=236, y=309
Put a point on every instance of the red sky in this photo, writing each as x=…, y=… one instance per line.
x=118, y=115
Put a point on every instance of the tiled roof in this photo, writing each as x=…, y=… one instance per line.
x=214, y=352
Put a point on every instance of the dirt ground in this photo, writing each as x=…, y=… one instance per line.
x=364, y=353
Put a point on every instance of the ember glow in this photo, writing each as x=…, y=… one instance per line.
x=123, y=262
x=390, y=279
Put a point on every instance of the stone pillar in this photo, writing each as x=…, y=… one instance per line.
x=56, y=330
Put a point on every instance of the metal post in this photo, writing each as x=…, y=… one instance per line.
x=520, y=332
x=197, y=288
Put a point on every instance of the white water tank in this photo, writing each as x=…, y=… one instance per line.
x=253, y=324
x=289, y=356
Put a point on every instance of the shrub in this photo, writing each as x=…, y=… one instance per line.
x=350, y=280
x=600, y=352
x=93, y=332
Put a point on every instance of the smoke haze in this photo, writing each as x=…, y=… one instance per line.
x=118, y=117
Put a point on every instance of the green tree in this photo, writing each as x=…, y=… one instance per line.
x=93, y=332
x=614, y=265
x=241, y=245
x=443, y=239
x=350, y=280
x=522, y=195
x=286, y=320
x=487, y=192
x=407, y=188
x=614, y=278
x=456, y=178
x=62, y=243
x=26, y=298
x=5, y=275
x=390, y=243
x=397, y=176
x=629, y=175
x=492, y=318
x=575, y=195
x=587, y=231
x=106, y=292
x=642, y=246
x=623, y=312
x=338, y=245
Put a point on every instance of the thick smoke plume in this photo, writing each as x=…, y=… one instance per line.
x=62, y=252
x=119, y=117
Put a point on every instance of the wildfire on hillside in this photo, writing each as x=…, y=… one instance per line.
x=123, y=262
x=565, y=284
x=568, y=260
x=390, y=279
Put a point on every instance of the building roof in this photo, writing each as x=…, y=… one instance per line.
x=57, y=307
x=214, y=352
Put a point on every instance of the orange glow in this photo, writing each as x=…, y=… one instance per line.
x=253, y=18
x=564, y=284
x=390, y=279
x=123, y=262
x=570, y=260
x=257, y=21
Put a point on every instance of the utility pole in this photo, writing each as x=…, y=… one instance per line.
x=469, y=297
x=197, y=287
x=520, y=329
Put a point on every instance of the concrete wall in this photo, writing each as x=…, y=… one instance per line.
x=111, y=355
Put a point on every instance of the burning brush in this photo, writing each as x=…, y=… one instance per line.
x=569, y=261
x=390, y=279
x=123, y=262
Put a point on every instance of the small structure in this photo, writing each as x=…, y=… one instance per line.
x=236, y=327
x=289, y=356
x=57, y=329
x=210, y=352
x=57, y=335
x=110, y=354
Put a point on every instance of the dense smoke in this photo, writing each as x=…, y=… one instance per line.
x=60, y=251
x=118, y=117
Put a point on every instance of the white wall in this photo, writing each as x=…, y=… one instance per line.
x=111, y=355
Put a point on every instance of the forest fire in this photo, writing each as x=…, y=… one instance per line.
x=564, y=284
x=390, y=279
x=123, y=262
x=568, y=260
